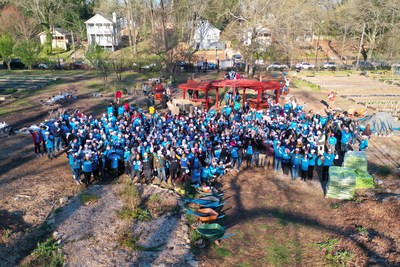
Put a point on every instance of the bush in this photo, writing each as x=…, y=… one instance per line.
x=47, y=254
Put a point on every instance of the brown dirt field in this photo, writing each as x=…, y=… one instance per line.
x=275, y=222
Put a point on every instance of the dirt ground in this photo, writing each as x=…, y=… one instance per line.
x=275, y=222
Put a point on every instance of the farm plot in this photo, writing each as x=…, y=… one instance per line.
x=365, y=91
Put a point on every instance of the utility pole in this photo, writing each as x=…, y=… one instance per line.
x=361, y=42
x=73, y=45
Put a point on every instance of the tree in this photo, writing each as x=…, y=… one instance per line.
x=28, y=52
x=100, y=59
x=45, y=12
x=6, y=49
x=21, y=27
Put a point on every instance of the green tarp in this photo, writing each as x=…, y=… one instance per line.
x=364, y=180
x=356, y=160
x=341, y=183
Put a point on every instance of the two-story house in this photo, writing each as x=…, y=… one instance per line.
x=206, y=36
x=104, y=31
x=61, y=38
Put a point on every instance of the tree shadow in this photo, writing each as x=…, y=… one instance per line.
x=240, y=215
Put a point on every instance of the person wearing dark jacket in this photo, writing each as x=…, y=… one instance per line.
x=37, y=139
x=174, y=166
x=56, y=132
x=147, y=168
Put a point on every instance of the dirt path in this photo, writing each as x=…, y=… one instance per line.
x=91, y=234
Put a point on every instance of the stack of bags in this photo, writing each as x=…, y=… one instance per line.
x=357, y=160
x=341, y=183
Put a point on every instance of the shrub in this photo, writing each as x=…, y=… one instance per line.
x=87, y=198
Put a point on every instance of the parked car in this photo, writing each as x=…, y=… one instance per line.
x=380, y=65
x=363, y=65
x=305, y=65
x=43, y=66
x=211, y=66
x=277, y=66
x=78, y=65
x=15, y=64
x=330, y=65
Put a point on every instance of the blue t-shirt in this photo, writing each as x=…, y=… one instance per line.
x=87, y=166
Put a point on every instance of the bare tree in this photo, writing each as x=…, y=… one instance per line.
x=21, y=27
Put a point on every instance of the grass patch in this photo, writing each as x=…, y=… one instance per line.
x=130, y=196
x=335, y=205
x=278, y=254
x=7, y=233
x=47, y=253
x=223, y=252
x=191, y=219
x=238, y=234
x=56, y=210
x=362, y=230
x=193, y=236
x=138, y=214
x=280, y=218
x=244, y=264
x=154, y=203
x=129, y=241
x=88, y=198
x=305, y=85
x=333, y=255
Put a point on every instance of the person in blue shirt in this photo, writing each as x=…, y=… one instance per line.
x=114, y=161
x=328, y=158
x=296, y=161
x=87, y=169
x=278, y=153
x=76, y=168
x=345, y=140
x=286, y=161
x=332, y=141
x=206, y=174
x=136, y=165
x=304, y=162
x=50, y=146
x=364, y=143
x=195, y=177
x=312, y=157
x=249, y=155
x=127, y=155
x=235, y=158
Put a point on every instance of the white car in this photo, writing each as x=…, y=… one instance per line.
x=330, y=65
x=277, y=66
x=305, y=65
x=43, y=66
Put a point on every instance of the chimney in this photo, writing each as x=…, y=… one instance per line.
x=114, y=17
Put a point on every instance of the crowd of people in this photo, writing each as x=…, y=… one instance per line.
x=202, y=146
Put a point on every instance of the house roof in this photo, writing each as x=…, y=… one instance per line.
x=99, y=18
x=58, y=31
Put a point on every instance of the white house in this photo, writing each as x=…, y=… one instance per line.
x=60, y=38
x=260, y=35
x=104, y=31
x=206, y=36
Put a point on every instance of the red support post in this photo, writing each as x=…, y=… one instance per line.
x=216, y=97
x=207, y=99
x=244, y=96
x=278, y=94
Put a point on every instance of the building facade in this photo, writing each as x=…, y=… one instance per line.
x=104, y=31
